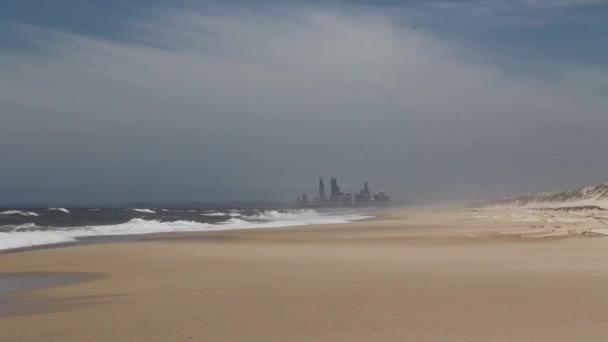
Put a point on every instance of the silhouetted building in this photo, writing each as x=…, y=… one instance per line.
x=321, y=190
x=364, y=197
x=335, y=191
x=346, y=199
x=381, y=198
x=338, y=198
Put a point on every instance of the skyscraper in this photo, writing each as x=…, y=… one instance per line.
x=335, y=190
x=321, y=190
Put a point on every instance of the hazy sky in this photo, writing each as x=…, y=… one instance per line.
x=103, y=101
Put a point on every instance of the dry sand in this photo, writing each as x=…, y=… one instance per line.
x=410, y=276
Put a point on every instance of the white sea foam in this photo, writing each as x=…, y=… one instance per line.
x=146, y=211
x=307, y=216
x=214, y=214
x=28, y=239
x=17, y=212
x=137, y=226
x=60, y=209
x=21, y=226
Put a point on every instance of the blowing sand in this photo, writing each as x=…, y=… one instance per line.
x=408, y=276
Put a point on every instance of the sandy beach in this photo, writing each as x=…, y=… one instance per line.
x=408, y=275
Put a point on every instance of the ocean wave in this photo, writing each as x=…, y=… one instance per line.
x=17, y=212
x=214, y=214
x=59, y=209
x=307, y=216
x=25, y=226
x=36, y=238
x=285, y=215
x=145, y=211
x=139, y=226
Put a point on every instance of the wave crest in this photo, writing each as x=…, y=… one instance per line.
x=139, y=226
x=17, y=212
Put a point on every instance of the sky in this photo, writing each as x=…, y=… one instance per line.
x=108, y=101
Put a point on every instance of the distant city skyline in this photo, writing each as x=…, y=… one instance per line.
x=340, y=198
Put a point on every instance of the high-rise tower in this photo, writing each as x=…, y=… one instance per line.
x=335, y=190
x=321, y=190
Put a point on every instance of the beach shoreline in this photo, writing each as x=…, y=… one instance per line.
x=423, y=274
x=30, y=236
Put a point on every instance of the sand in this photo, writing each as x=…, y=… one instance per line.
x=412, y=275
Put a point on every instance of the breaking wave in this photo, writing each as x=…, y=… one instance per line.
x=60, y=209
x=29, y=235
x=145, y=211
x=214, y=214
x=17, y=212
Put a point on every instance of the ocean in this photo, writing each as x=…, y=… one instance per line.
x=25, y=228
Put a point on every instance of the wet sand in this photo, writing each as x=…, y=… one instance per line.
x=410, y=276
x=15, y=288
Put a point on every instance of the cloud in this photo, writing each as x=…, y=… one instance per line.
x=560, y=3
x=495, y=6
x=516, y=13
x=262, y=102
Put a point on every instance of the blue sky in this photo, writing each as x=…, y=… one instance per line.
x=185, y=100
x=569, y=29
